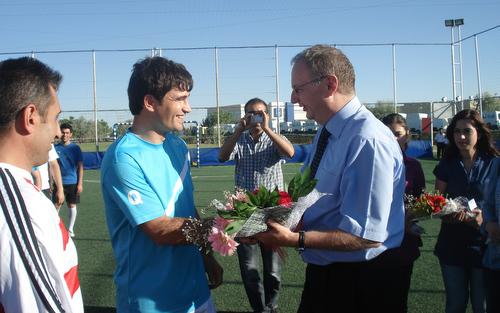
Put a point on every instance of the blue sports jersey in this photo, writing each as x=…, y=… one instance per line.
x=140, y=182
x=69, y=157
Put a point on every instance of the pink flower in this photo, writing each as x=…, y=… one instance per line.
x=240, y=196
x=221, y=223
x=222, y=242
x=229, y=206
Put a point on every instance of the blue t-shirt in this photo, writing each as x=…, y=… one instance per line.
x=69, y=157
x=140, y=182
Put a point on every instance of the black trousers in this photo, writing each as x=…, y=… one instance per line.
x=356, y=288
x=492, y=281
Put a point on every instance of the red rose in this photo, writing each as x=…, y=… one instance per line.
x=285, y=198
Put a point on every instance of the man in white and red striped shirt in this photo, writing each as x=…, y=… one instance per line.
x=38, y=259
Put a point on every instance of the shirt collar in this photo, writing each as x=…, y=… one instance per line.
x=262, y=136
x=337, y=122
x=18, y=171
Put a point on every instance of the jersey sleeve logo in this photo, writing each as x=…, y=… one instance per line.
x=134, y=197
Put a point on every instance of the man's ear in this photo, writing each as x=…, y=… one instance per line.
x=332, y=83
x=149, y=103
x=27, y=119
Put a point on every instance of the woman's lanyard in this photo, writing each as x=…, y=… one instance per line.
x=469, y=173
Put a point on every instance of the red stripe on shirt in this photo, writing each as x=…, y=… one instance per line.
x=71, y=278
x=34, y=186
x=1, y=308
x=65, y=235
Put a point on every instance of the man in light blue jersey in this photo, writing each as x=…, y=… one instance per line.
x=148, y=194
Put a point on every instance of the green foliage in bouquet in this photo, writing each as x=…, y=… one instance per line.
x=240, y=208
x=301, y=184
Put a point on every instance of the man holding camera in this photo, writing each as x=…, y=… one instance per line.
x=257, y=151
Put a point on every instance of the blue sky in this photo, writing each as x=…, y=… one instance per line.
x=423, y=72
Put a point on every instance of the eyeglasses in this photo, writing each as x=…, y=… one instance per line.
x=298, y=88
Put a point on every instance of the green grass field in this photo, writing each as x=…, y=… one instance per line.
x=97, y=264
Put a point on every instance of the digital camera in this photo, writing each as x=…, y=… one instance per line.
x=257, y=118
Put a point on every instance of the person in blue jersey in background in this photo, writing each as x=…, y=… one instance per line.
x=148, y=195
x=71, y=165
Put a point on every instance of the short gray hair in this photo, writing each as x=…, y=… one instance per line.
x=324, y=60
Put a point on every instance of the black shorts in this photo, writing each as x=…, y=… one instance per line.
x=47, y=193
x=70, y=194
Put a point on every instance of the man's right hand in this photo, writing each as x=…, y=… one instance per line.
x=59, y=198
x=245, y=123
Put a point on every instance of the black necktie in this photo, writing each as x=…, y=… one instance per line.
x=320, y=150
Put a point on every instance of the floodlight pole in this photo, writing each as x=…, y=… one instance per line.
x=278, y=111
x=216, y=55
x=461, y=71
x=395, y=101
x=452, y=23
x=479, y=89
x=94, y=98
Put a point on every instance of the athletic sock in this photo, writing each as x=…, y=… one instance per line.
x=72, y=219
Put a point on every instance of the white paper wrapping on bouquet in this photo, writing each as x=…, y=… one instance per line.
x=288, y=217
x=456, y=205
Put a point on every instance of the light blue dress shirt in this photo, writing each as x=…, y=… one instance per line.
x=362, y=172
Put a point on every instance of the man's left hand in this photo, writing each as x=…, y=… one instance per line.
x=277, y=235
x=265, y=121
x=214, y=271
x=79, y=188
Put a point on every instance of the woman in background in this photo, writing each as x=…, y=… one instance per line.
x=415, y=179
x=408, y=252
x=462, y=172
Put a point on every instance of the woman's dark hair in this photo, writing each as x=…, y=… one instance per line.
x=395, y=118
x=484, y=143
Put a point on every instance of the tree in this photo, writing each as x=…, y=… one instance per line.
x=211, y=119
x=490, y=103
x=381, y=109
x=85, y=129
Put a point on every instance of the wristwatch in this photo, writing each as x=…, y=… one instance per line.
x=302, y=236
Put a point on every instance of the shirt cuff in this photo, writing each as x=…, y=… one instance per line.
x=351, y=226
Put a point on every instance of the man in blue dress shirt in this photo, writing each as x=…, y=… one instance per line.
x=361, y=171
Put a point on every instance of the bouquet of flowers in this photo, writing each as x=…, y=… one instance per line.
x=244, y=213
x=429, y=205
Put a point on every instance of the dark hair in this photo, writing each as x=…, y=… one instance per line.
x=324, y=60
x=66, y=126
x=23, y=81
x=254, y=101
x=155, y=76
x=484, y=143
x=395, y=118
